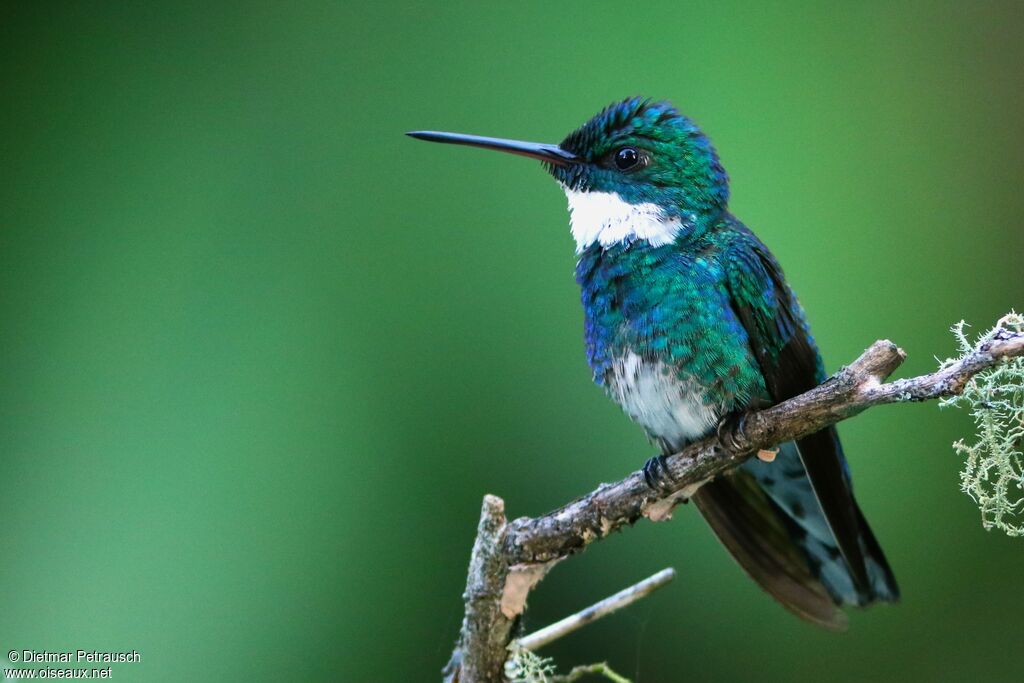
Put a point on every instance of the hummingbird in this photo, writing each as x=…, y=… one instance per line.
x=688, y=322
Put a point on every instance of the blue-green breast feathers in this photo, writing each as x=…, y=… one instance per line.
x=671, y=305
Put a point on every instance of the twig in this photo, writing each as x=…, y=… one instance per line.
x=623, y=598
x=601, y=669
x=527, y=548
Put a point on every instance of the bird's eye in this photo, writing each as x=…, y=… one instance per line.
x=627, y=158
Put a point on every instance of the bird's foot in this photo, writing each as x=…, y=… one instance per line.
x=730, y=432
x=657, y=475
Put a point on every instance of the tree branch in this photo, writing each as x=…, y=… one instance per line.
x=486, y=631
x=523, y=551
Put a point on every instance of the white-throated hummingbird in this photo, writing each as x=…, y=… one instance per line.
x=688, y=320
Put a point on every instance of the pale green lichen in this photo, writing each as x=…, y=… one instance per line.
x=524, y=666
x=993, y=474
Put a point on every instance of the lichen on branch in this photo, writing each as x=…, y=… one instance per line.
x=993, y=474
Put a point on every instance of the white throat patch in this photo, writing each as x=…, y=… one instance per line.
x=606, y=218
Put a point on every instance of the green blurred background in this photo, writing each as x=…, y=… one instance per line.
x=262, y=355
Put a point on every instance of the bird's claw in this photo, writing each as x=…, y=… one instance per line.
x=730, y=432
x=657, y=474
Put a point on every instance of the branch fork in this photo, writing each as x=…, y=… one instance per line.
x=510, y=558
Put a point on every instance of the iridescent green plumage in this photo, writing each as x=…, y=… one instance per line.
x=674, y=304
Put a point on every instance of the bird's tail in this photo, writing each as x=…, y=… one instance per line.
x=768, y=517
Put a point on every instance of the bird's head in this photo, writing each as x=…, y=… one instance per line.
x=637, y=170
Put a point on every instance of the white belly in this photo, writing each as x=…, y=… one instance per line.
x=672, y=410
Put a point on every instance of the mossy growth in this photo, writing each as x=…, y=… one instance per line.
x=524, y=666
x=993, y=474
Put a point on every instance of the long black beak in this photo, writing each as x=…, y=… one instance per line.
x=553, y=154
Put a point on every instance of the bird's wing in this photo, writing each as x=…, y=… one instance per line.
x=830, y=555
x=791, y=365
